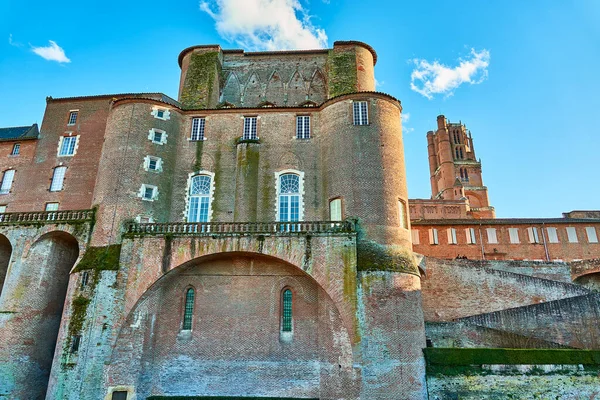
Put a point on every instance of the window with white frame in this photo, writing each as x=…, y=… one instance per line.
x=470, y=234
x=73, y=117
x=552, y=235
x=58, y=178
x=402, y=214
x=302, y=127
x=67, y=145
x=532, y=232
x=513, y=235
x=361, y=116
x=491, y=235
x=160, y=113
x=157, y=136
x=591, y=234
x=250, y=128
x=51, y=207
x=433, y=236
x=289, y=198
x=198, y=129
x=451, y=236
x=7, y=181
x=415, y=236
x=572, y=234
x=16, y=150
x=153, y=164
x=2, y=209
x=199, y=198
x=148, y=192
x=335, y=210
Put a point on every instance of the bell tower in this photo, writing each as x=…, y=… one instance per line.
x=451, y=158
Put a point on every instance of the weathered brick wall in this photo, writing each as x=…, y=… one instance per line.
x=504, y=249
x=517, y=382
x=22, y=165
x=460, y=288
x=571, y=321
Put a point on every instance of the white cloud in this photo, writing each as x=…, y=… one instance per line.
x=429, y=79
x=12, y=42
x=405, y=117
x=265, y=24
x=378, y=84
x=53, y=52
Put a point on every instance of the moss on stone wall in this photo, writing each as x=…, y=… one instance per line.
x=221, y=398
x=105, y=258
x=481, y=356
x=199, y=85
x=341, y=70
x=372, y=256
x=199, y=150
x=78, y=312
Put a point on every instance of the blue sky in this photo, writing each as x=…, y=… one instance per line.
x=528, y=90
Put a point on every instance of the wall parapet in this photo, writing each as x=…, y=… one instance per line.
x=49, y=217
x=231, y=228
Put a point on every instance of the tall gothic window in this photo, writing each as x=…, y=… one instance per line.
x=188, y=311
x=199, y=199
x=289, y=197
x=286, y=311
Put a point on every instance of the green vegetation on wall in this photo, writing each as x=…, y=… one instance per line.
x=248, y=158
x=105, y=258
x=221, y=398
x=200, y=80
x=78, y=311
x=372, y=256
x=341, y=69
x=481, y=356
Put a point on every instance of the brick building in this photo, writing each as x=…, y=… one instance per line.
x=252, y=239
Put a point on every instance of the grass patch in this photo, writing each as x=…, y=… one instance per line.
x=481, y=356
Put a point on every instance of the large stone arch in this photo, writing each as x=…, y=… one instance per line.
x=589, y=280
x=234, y=346
x=34, y=294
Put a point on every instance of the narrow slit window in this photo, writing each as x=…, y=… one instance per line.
x=361, y=116
x=189, y=310
x=303, y=127
x=58, y=178
x=75, y=341
x=402, y=214
x=198, y=129
x=250, y=128
x=335, y=210
x=286, y=318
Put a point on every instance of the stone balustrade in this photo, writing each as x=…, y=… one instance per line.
x=46, y=216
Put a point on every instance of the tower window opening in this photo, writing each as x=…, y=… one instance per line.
x=361, y=116
x=286, y=311
x=188, y=311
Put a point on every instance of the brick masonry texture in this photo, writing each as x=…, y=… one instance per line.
x=79, y=320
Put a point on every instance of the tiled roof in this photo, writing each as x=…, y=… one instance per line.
x=19, y=133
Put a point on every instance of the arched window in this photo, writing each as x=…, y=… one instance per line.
x=199, y=199
x=456, y=153
x=286, y=311
x=188, y=311
x=289, y=197
x=461, y=153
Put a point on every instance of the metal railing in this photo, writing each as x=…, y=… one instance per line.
x=217, y=228
x=46, y=216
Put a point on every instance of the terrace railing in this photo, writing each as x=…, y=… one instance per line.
x=46, y=216
x=230, y=228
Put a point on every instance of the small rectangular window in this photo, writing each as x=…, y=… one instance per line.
x=51, y=207
x=72, y=117
x=16, y=149
x=433, y=236
x=415, y=236
x=591, y=234
x=250, y=128
x=552, y=235
x=532, y=232
x=153, y=164
x=470, y=234
x=303, y=127
x=67, y=146
x=513, y=234
x=148, y=192
x=361, y=116
x=157, y=136
x=335, y=210
x=491, y=234
x=572, y=234
x=85, y=277
x=451, y=236
x=198, y=129
x=119, y=395
x=58, y=178
x=75, y=341
x=2, y=209
x=402, y=214
x=7, y=180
